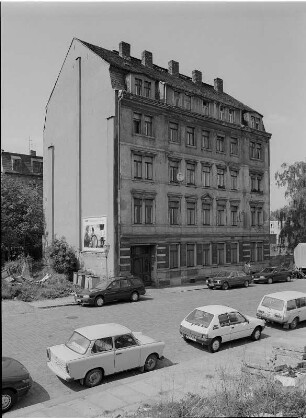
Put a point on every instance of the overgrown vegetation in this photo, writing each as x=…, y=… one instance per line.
x=239, y=396
x=62, y=257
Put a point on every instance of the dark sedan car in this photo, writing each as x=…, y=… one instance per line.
x=16, y=381
x=226, y=279
x=273, y=274
x=122, y=288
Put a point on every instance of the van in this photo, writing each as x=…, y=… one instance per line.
x=287, y=308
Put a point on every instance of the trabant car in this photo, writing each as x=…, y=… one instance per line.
x=213, y=325
x=287, y=308
x=96, y=351
x=226, y=279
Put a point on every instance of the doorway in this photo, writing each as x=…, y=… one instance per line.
x=141, y=262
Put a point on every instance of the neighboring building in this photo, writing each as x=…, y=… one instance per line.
x=277, y=245
x=150, y=172
x=28, y=168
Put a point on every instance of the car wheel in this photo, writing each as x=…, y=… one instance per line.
x=294, y=323
x=225, y=286
x=99, y=301
x=246, y=283
x=215, y=345
x=151, y=363
x=9, y=398
x=270, y=281
x=134, y=297
x=256, y=334
x=288, y=279
x=93, y=378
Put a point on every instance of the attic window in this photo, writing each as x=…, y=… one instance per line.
x=37, y=166
x=16, y=163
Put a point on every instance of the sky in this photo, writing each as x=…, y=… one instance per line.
x=258, y=49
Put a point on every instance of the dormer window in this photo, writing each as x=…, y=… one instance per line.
x=221, y=112
x=205, y=107
x=231, y=116
x=147, y=89
x=37, y=166
x=176, y=98
x=187, y=102
x=138, y=86
x=16, y=164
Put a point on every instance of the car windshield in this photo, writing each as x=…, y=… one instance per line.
x=222, y=274
x=268, y=270
x=273, y=303
x=199, y=317
x=101, y=285
x=78, y=343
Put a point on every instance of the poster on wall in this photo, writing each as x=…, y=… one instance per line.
x=94, y=234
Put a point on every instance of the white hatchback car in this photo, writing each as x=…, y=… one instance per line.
x=99, y=350
x=212, y=325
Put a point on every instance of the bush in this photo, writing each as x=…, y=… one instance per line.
x=62, y=257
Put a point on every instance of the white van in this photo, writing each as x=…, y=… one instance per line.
x=287, y=308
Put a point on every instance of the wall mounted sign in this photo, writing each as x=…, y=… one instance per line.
x=94, y=234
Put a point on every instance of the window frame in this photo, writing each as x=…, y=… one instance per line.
x=190, y=136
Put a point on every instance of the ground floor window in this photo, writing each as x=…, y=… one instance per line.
x=174, y=256
x=256, y=251
x=206, y=254
x=234, y=253
x=190, y=255
x=220, y=254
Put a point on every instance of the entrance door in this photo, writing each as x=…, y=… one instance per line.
x=141, y=262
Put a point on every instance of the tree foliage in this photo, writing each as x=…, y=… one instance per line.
x=63, y=257
x=22, y=221
x=293, y=216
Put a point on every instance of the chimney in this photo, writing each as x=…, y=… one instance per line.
x=197, y=77
x=218, y=85
x=173, y=67
x=124, y=49
x=147, y=59
x=32, y=153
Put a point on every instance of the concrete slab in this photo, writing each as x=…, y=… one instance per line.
x=127, y=394
x=84, y=408
x=62, y=411
x=106, y=401
x=145, y=388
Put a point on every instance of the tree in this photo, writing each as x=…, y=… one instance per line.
x=22, y=221
x=293, y=177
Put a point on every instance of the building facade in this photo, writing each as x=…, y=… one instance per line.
x=151, y=172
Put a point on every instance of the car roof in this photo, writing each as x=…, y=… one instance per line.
x=216, y=309
x=287, y=295
x=103, y=330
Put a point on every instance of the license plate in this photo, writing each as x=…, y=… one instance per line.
x=191, y=337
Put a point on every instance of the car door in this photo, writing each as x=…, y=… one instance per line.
x=225, y=331
x=239, y=325
x=103, y=355
x=301, y=308
x=125, y=288
x=127, y=353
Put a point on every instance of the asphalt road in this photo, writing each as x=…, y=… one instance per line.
x=28, y=331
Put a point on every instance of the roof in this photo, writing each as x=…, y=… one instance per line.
x=216, y=309
x=25, y=169
x=120, y=66
x=287, y=295
x=103, y=330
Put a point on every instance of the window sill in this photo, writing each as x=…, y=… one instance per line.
x=206, y=149
x=191, y=146
x=144, y=136
x=220, y=152
x=174, y=142
x=221, y=187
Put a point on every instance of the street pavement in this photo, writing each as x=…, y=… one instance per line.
x=190, y=370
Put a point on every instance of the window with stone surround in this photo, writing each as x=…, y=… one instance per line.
x=138, y=86
x=206, y=175
x=174, y=167
x=190, y=136
x=221, y=178
x=234, y=146
x=174, y=211
x=147, y=89
x=174, y=252
x=191, y=212
x=190, y=171
x=173, y=132
x=220, y=144
x=190, y=255
x=206, y=143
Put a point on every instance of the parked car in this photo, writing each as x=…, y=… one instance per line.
x=273, y=274
x=287, y=308
x=213, y=325
x=99, y=350
x=16, y=382
x=226, y=279
x=120, y=288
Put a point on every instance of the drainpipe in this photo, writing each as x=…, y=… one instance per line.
x=80, y=151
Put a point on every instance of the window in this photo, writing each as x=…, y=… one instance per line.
x=205, y=107
x=148, y=168
x=137, y=123
x=174, y=256
x=256, y=150
x=187, y=102
x=173, y=132
x=190, y=168
x=103, y=344
x=221, y=112
x=256, y=180
x=173, y=171
x=223, y=320
x=256, y=251
x=301, y=302
x=124, y=341
x=205, y=140
x=190, y=255
x=206, y=210
x=174, y=211
x=257, y=123
x=190, y=139
x=148, y=126
x=205, y=176
x=291, y=305
x=259, y=217
x=220, y=215
x=148, y=211
x=137, y=166
x=221, y=178
x=16, y=164
x=234, y=179
x=137, y=211
x=115, y=285
x=234, y=253
x=236, y=318
x=191, y=213
x=206, y=254
x=37, y=166
x=259, y=251
x=258, y=154
x=220, y=253
x=176, y=98
x=220, y=143
x=231, y=116
x=234, y=146
x=138, y=86
x=125, y=283
x=234, y=215
x=252, y=122
x=147, y=89
x=253, y=216
x=252, y=149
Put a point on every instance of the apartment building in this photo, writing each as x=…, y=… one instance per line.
x=151, y=172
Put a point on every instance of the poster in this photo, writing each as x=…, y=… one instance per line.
x=94, y=234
